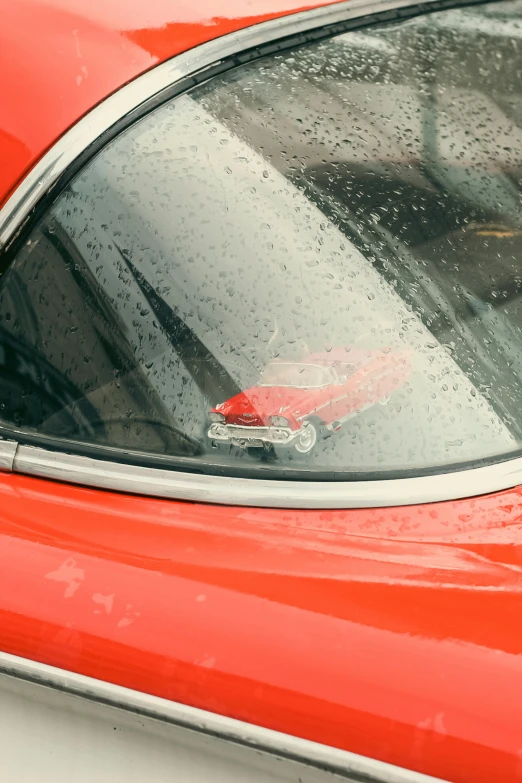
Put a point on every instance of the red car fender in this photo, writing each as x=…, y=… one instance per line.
x=389, y=632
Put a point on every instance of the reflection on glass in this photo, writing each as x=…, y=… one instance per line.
x=315, y=257
x=297, y=375
x=296, y=404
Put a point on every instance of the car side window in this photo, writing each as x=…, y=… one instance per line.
x=202, y=287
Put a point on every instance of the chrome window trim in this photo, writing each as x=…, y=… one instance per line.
x=341, y=762
x=7, y=454
x=265, y=493
x=448, y=484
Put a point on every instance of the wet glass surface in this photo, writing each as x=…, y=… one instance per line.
x=313, y=260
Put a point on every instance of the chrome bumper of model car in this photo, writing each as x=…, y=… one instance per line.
x=251, y=436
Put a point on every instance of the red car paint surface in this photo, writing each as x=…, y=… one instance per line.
x=59, y=58
x=393, y=633
x=361, y=379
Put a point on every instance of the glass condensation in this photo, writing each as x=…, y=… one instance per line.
x=313, y=260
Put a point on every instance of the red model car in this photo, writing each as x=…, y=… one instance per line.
x=194, y=196
x=294, y=402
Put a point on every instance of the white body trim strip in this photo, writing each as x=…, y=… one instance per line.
x=328, y=759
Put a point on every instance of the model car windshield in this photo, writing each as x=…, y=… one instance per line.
x=310, y=262
x=297, y=375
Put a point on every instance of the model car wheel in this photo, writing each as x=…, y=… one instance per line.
x=307, y=438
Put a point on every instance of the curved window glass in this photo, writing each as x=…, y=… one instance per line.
x=313, y=261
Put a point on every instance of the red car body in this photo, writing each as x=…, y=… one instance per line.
x=392, y=632
x=324, y=389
